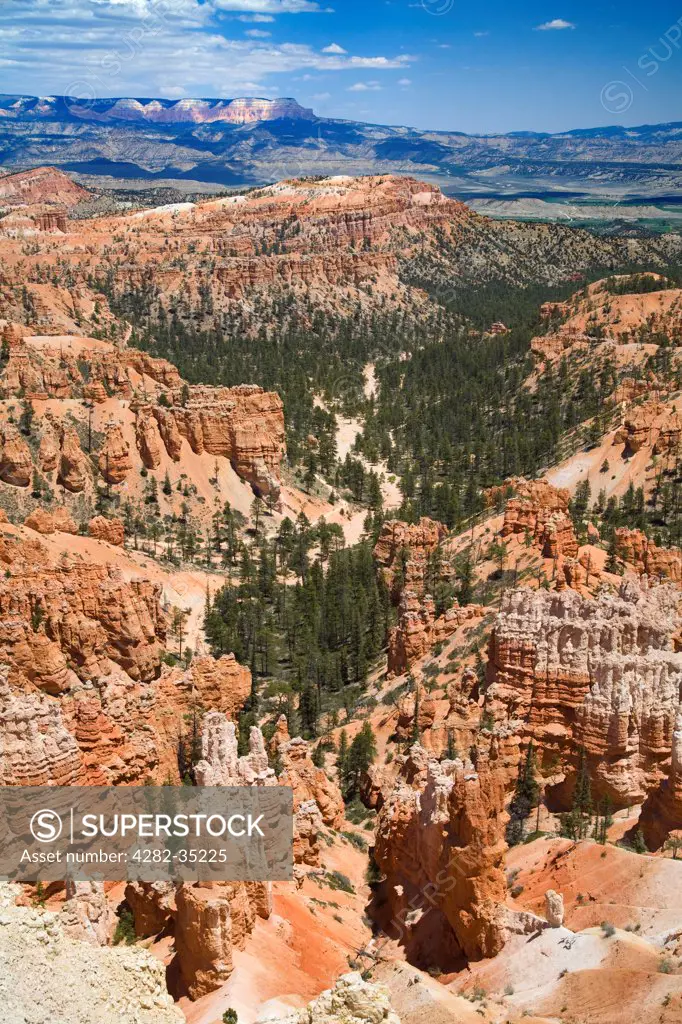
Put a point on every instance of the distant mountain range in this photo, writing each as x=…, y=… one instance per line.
x=252, y=141
x=151, y=111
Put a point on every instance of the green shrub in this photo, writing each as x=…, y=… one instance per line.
x=125, y=928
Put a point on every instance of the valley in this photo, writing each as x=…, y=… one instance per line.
x=339, y=485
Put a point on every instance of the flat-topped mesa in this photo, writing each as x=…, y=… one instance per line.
x=330, y=236
x=242, y=110
x=600, y=675
x=440, y=844
x=409, y=555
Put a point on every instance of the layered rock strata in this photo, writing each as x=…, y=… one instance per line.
x=595, y=675
x=440, y=845
x=244, y=424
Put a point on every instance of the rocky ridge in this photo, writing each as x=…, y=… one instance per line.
x=49, y=976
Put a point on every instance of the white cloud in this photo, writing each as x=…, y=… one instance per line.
x=379, y=62
x=271, y=6
x=481, y=35
x=257, y=18
x=404, y=81
x=101, y=48
x=334, y=48
x=364, y=87
x=556, y=25
x=258, y=33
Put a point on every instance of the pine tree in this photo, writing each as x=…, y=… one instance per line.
x=342, y=759
x=361, y=754
x=318, y=756
x=526, y=797
x=308, y=710
x=576, y=824
x=612, y=564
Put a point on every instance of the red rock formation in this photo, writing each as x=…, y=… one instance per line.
x=41, y=185
x=635, y=548
x=114, y=457
x=541, y=511
x=36, y=748
x=60, y=622
x=426, y=705
x=48, y=453
x=51, y=222
x=280, y=735
x=74, y=469
x=170, y=435
x=418, y=629
x=243, y=424
x=148, y=441
x=651, y=425
x=662, y=810
x=110, y=530
x=440, y=844
x=16, y=465
x=211, y=920
x=152, y=904
x=50, y=521
x=669, y=433
x=220, y=764
x=402, y=553
x=553, y=346
x=220, y=684
x=310, y=783
x=240, y=276
x=598, y=674
x=86, y=914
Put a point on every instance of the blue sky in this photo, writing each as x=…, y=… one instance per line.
x=544, y=65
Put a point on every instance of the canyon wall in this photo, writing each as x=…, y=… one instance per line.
x=600, y=675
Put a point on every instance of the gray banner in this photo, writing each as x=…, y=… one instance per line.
x=149, y=833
